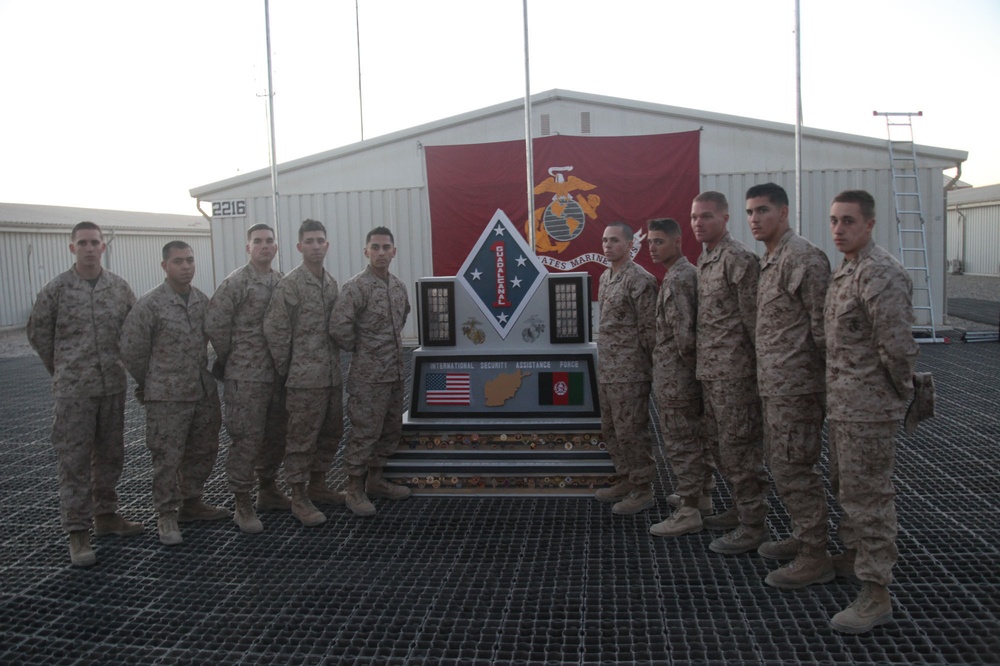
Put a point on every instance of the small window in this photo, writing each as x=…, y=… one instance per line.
x=585, y=122
x=546, y=128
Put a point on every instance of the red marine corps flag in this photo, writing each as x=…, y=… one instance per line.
x=581, y=184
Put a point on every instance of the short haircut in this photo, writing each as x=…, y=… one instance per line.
x=775, y=193
x=380, y=231
x=717, y=198
x=626, y=230
x=260, y=226
x=311, y=225
x=174, y=245
x=864, y=200
x=667, y=225
x=82, y=226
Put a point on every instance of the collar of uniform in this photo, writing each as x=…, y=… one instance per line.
x=174, y=297
x=848, y=267
x=369, y=273
x=614, y=275
x=772, y=257
x=310, y=277
x=251, y=273
x=681, y=260
x=80, y=280
x=710, y=256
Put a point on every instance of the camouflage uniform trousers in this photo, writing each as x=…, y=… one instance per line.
x=88, y=436
x=256, y=421
x=315, y=426
x=734, y=428
x=862, y=457
x=183, y=440
x=793, y=439
x=686, y=450
x=625, y=426
x=376, y=415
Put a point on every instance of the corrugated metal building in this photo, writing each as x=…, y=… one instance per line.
x=383, y=181
x=974, y=229
x=34, y=248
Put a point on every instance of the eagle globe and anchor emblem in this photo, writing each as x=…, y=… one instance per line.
x=564, y=218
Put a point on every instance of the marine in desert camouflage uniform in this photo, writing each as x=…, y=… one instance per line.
x=306, y=358
x=368, y=320
x=727, y=320
x=165, y=349
x=74, y=326
x=791, y=352
x=870, y=356
x=627, y=301
x=675, y=388
x=255, y=404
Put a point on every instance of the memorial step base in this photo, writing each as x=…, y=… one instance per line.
x=566, y=464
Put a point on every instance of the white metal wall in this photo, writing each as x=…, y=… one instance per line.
x=30, y=258
x=974, y=237
x=348, y=217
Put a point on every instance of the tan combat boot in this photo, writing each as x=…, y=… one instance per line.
x=640, y=499
x=115, y=523
x=166, y=526
x=379, y=486
x=843, y=565
x=303, y=508
x=194, y=509
x=80, y=552
x=320, y=493
x=704, y=503
x=245, y=516
x=685, y=520
x=743, y=539
x=783, y=551
x=615, y=493
x=727, y=520
x=355, y=498
x=871, y=608
x=808, y=568
x=270, y=497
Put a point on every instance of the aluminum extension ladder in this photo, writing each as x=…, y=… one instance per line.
x=910, y=223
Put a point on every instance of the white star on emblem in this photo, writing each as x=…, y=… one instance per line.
x=476, y=273
x=502, y=318
x=516, y=282
x=499, y=230
x=521, y=260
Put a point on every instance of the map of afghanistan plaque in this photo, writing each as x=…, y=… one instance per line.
x=504, y=386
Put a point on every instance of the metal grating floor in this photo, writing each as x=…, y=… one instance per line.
x=492, y=580
x=973, y=309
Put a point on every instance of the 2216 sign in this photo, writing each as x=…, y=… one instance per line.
x=231, y=208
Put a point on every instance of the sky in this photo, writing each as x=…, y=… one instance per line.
x=128, y=104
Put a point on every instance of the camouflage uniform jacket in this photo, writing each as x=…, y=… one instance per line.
x=76, y=328
x=368, y=319
x=791, y=347
x=627, y=300
x=235, y=321
x=164, y=346
x=727, y=311
x=675, y=355
x=297, y=329
x=870, y=350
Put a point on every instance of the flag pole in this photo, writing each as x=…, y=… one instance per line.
x=529, y=157
x=361, y=99
x=798, y=121
x=270, y=107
